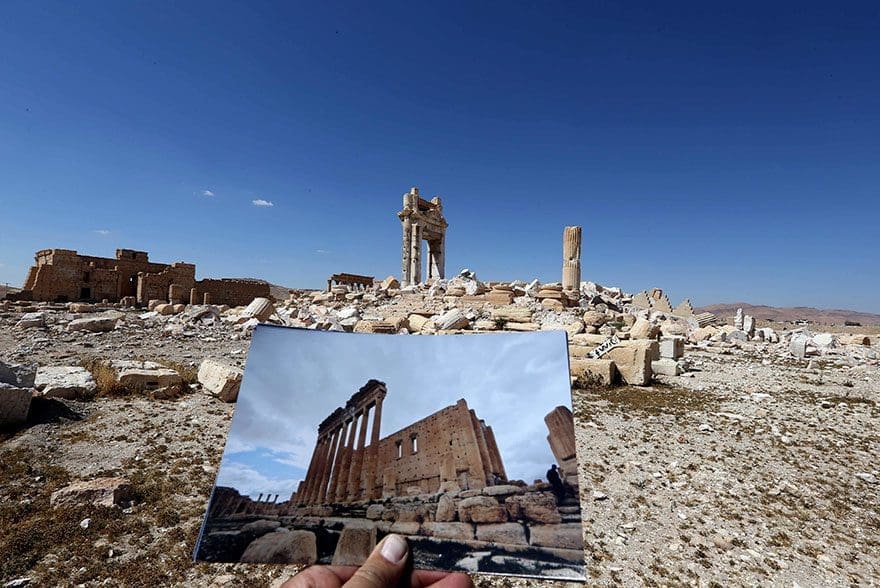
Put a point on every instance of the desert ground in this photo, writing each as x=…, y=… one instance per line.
x=754, y=466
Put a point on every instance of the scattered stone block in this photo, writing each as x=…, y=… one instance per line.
x=633, y=360
x=164, y=309
x=594, y=318
x=15, y=403
x=389, y=283
x=445, y=509
x=65, y=382
x=643, y=329
x=144, y=376
x=666, y=367
x=107, y=492
x=594, y=371
x=294, y=547
x=93, y=324
x=31, y=320
x=220, y=379
x=512, y=314
x=260, y=309
x=672, y=347
x=522, y=327
x=452, y=319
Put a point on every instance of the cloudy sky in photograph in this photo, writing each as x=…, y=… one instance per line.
x=295, y=378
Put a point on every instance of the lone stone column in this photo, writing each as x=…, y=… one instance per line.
x=571, y=259
x=415, y=270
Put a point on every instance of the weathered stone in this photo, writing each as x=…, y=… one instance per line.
x=481, y=509
x=522, y=327
x=703, y=333
x=99, y=492
x=64, y=382
x=504, y=533
x=15, y=404
x=389, y=283
x=164, y=309
x=512, y=314
x=571, y=258
x=445, y=509
x=220, y=379
x=672, y=347
x=260, y=527
x=448, y=530
x=536, y=507
x=403, y=528
x=565, y=535
x=798, y=346
x=502, y=490
x=354, y=545
x=593, y=371
x=644, y=329
x=666, y=367
x=633, y=360
x=20, y=375
x=748, y=325
x=295, y=547
x=144, y=376
x=94, y=324
x=260, y=309
x=738, y=319
x=452, y=319
x=31, y=320
x=594, y=318
x=375, y=511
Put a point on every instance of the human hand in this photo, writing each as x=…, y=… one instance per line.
x=383, y=569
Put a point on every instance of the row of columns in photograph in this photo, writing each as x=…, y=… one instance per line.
x=341, y=471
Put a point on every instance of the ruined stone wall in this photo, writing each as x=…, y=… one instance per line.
x=234, y=292
x=451, y=447
x=154, y=286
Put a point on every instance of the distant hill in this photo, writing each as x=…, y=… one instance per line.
x=4, y=289
x=797, y=313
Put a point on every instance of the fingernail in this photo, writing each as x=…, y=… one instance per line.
x=393, y=549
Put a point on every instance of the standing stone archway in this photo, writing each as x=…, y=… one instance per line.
x=422, y=220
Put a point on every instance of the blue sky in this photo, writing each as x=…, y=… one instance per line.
x=721, y=152
x=295, y=378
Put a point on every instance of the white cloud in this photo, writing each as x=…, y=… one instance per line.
x=249, y=481
x=101, y=231
x=321, y=251
x=207, y=193
x=261, y=202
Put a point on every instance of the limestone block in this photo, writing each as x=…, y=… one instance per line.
x=153, y=303
x=505, y=533
x=589, y=340
x=595, y=318
x=574, y=328
x=593, y=371
x=94, y=324
x=354, y=545
x=522, y=327
x=672, y=347
x=220, y=379
x=389, y=283
x=565, y=536
x=633, y=360
x=502, y=490
x=15, y=403
x=164, y=309
x=260, y=309
x=445, y=509
x=748, y=325
x=415, y=322
x=703, y=333
x=144, y=376
x=64, y=382
x=405, y=528
x=499, y=297
x=536, y=507
x=99, y=492
x=448, y=530
x=375, y=511
x=452, y=319
x=798, y=345
x=551, y=304
x=485, y=325
x=178, y=308
x=31, y=320
x=260, y=527
x=643, y=329
x=20, y=375
x=481, y=509
x=512, y=314
x=673, y=329
x=666, y=367
x=295, y=547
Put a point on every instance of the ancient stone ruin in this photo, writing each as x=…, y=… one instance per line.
x=63, y=275
x=422, y=220
x=571, y=259
x=450, y=449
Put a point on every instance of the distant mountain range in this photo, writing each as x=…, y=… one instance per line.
x=797, y=313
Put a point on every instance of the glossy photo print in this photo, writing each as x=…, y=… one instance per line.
x=463, y=444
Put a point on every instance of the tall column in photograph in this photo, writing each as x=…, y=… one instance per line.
x=571, y=259
x=327, y=472
x=372, y=485
x=407, y=246
x=310, y=473
x=415, y=253
x=357, y=462
x=343, y=462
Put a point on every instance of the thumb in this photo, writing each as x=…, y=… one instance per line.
x=384, y=566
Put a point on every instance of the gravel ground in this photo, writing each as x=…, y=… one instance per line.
x=749, y=470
